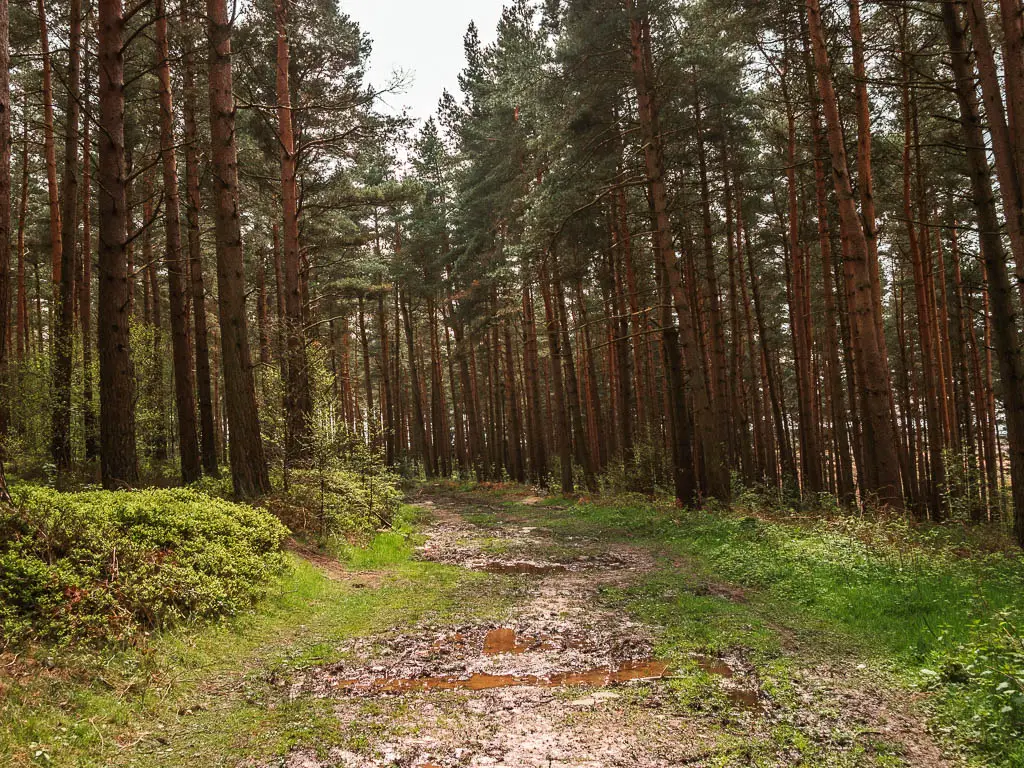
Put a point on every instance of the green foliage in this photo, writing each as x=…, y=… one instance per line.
x=980, y=684
x=337, y=504
x=100, y=566
x=934, y=605
x=209, y=691
x=348, y=489
x=388, y=548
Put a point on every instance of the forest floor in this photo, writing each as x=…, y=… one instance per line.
x=506, y=631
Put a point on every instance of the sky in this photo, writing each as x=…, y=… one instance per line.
x=422, y=38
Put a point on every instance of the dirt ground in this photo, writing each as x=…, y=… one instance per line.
x=567, y=680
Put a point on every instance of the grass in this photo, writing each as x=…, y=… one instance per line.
x=934, y=610
x=927, y=609
x=212, y=693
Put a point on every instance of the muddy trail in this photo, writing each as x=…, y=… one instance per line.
x=568, y=678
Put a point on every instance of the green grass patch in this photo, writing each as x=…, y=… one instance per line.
x=938, y=609
x=215, y=694
x=387, y=548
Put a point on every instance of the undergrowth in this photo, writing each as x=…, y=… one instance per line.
x=210, y=694
x=940, y=608
x=101, y=566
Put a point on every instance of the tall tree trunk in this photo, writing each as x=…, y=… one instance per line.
x=177, y=266
x=1011, y=185
x=678, y=426
x=560, y=422
x=740, y=433
x=713, y=444
x=865, y=178
x=50, y=151
x=515, y=438
x=372, y=420
x=573, y=389
x=869, y=355
x=592, y=397
x=461, y=448
x=1006, y=332
x=92, y=448
x=799, y=313
x=204, y=382
x=387, y=397
x=298, y=397
x=933, y=484
x=626, y=332
x=422, y=444
x=717, y=372
x=248, y=463
x=118, y=458
x=5, y=226
x=438, y=407
x=531, y=364
x=263, y=311
x=24, y=330
x=64, y=344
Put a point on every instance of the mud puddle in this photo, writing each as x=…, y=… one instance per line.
x=482, y=681
x=498, y=691
x=506, y=640
x=744, y=697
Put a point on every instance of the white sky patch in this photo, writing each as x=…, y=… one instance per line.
x=423, y=40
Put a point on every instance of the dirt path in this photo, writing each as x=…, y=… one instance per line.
x=565, y=680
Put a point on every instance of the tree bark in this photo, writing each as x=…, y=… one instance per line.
x=560, y=422
x=298, y=397
x=535, y=410
x=678, y=426
x=423, y=445
x=1011, y=185
x=50, y=151
x=712, y=445
x=92, y=449
x=5, y=226
x=372, y=420
x=248, y=463
x=118, y=458
x=24, y=330
x=1006, y=332
x=572, y=389
x=63, y=343
x=177, y=267
x=869, y=356
x=933, y=484
x=204, y=382
x=799, y=313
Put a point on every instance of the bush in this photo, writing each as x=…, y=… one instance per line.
x=101, y=566
x=337, y=504
x=980, y=684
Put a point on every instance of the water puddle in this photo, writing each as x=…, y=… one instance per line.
x=715, y=666
x=504, y=640
x=630, y=670
x=744, y=698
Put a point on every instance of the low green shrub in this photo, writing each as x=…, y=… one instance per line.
x=100, y=566
x=337, y=504
x=980, y=686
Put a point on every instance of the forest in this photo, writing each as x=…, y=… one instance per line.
x=677, y=358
